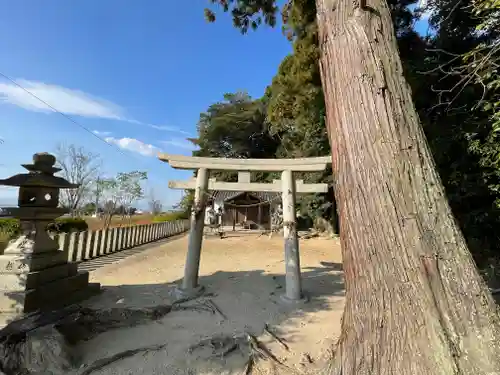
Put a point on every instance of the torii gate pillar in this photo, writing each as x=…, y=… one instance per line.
x=292, y=259
x=191, y=269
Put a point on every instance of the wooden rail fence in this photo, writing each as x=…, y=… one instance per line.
x=87, y=245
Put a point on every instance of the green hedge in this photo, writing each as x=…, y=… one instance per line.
x=170, y=216
x=62, y=225
x=9, y=227
x=69, y=224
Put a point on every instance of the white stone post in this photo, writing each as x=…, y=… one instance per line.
x=292, y=258
x=190, y=282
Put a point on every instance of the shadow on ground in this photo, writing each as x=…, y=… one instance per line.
x=145, y=329
x=107, y=259
x=194, y=336
x=242, y=286
x=93, y=264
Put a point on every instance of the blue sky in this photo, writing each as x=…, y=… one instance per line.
x=138, y=75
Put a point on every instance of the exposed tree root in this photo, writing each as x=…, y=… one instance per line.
x=333, y=365
x=83, y=324
x=249, y=365
x=103, y=362
x=259, y=351
x=216, y=308
x=88, y=323
x=207, y=305
x=278, y=339
x=76, y=324
x=195, y=307
x=220, y=346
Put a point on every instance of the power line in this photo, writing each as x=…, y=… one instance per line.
x=63, y=114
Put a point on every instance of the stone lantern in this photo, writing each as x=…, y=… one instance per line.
x=34, y=273
x=38, y=202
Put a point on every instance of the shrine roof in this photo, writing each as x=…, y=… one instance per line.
x=228, y=195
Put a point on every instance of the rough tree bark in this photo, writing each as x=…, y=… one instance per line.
x=415, y=302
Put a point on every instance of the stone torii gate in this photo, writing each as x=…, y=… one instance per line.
x=287, y=186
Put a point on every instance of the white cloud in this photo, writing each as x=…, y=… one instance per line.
x=180, y=143
x=67, y=101
x=101, y=133
x=169, y=129
x=134, y=145
x=71, y=102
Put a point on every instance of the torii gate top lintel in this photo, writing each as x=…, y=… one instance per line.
x=314, y=164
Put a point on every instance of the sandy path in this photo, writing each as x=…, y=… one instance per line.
x=245, y=274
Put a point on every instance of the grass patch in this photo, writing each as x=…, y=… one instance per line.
x=4, y=240
x=170, y=216
x=95, y=223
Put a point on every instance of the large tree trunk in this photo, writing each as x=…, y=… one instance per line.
x=415, y=302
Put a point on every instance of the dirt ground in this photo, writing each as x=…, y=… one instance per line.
x=243, y=277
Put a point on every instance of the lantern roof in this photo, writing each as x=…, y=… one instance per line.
x=41, y=174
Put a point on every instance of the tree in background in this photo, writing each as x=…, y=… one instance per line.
x=110, y=197
x=121, y=192
x=90, y=209
x=415, y=302
x=460, y=133
x=296, y=107
x=483, y=62
x=235, y=128
x=186, y=203
x=155, y=206
x=97, y=189
x=80, y=167
x=129, y=188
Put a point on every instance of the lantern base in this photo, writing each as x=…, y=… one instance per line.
x=47, y=296
x=44, y=290
x=29, y=262
x=92, y=290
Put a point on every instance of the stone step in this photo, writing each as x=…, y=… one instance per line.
x=10, y=263
x=51, y=294
x=20, y=281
